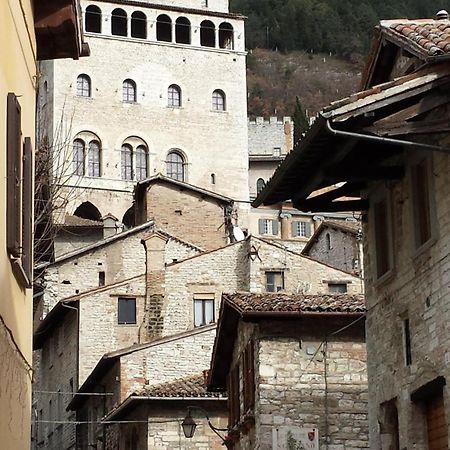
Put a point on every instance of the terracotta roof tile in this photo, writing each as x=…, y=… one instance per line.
x=431, y=36
x=75, y=221
x=192, y=386
x=280, y=302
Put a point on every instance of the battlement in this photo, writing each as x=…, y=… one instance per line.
x=270, y=120
x=270, y=136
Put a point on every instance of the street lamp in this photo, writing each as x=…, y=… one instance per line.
x=189, y=424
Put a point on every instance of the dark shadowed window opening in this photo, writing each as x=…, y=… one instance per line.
x=139, y=25
x=164, y=28
x=78, y=157
x=93, y=19
x=126, y=313
x=175, y=166
x=101, y=278
x=226, y=36
x=141, y=162
x=183, y=31
x=88, y=211
x=128, y=219
x=119, y=22
x=337, y=288
x=274, y=281
x=207, y=34
x=127, y=162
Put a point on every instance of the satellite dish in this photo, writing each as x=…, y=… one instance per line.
x=238, y=234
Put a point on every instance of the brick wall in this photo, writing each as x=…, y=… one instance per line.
x=417, y=289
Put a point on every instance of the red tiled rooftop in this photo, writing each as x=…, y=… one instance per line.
x=280, y=302
x=192, y=386
x=430, y=36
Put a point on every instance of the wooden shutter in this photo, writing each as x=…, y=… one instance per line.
x=274, y=227
x=307, y=229
x=27, y=211
x=13, y=205
x=436, y=424
x=294, y=229
x=233, y=396
x=261, y=226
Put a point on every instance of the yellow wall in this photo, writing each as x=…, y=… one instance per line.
x=18, y=75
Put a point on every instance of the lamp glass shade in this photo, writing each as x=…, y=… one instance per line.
x=189, y=426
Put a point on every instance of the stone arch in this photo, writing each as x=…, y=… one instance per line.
x=88, y=211
x=164, y=28
x=119, y=26
x=128, y=218
x=207, y=34
x=93, y=19
x=183, y=30
x=139, y=25
x=226, y=36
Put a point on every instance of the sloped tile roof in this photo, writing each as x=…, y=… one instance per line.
x=192, y=386
x=246, y=302
x=431, y=36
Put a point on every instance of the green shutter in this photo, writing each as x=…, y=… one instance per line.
x=274, y=227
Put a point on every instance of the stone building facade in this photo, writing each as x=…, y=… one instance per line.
x=295, y=370
x=404, y=201
x=165, y=86
x=338, y=244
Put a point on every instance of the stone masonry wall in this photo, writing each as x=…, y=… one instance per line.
x=265, y=135
x=186, y=214
x=295, y=389
x=417, y=289
x=343, y=253
x=121, y=259
x=168, y=360
x=57, y=369
x=301, y=274
x=100, y=332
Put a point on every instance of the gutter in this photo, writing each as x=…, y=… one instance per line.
x=384, y=140
x=249, y=316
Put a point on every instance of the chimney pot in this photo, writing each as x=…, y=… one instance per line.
x=442, y=15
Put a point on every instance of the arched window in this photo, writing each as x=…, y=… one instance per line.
x=94, y=159
x=164, y=28
x=226, y=36
x=83, y=85
x=207, y=34
x=218, y=100
x=127, y=162
x=93, y=19
x=128, y=218
x=260, y=183
x=129, y=91
x=78, y=157
x=174, y=96
x=183, y=31
x=213, y=178
x=328, y=241
x=141, y=162
x=119, y=22
x=139, y=25
x=175, y=166
x=88, y=211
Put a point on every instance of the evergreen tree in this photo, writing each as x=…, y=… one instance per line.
x=301, y=123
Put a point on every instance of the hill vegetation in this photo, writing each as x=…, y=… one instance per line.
x=339, y=27
x=274, y=80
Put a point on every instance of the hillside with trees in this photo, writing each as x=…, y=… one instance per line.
x=339, y=27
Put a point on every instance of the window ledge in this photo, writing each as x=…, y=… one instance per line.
x=423, y=249
x=126, y=102
x=174, y=107
x=128, y=325
x=19, y=273
x=85, y=97
x=219, y=111
x=385, y=278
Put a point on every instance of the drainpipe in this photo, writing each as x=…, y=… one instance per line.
x=384, y=140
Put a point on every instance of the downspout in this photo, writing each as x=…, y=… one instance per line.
x=384, y=140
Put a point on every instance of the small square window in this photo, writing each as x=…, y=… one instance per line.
x=126, y=311
x=274, y=281
x=203, y=311
x=301, y=228
x=277, y=151
x=337, y=288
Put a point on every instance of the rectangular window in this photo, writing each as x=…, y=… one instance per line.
x=268, y=226
x=382, y=237
x=249, y=377
x=276, y=151
x=301, y=228
x=203, y=310
x=126, y=311
x=274, y=281
x=101, y=278
x=407, y=341
x=234, y=407
x=337, y=288
x=421, y=202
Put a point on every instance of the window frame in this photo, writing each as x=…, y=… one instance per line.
x=180, y=175
x=174, y=101
x=275, y=273
x=298, y=226
x=88, y=12
x=126, y=163
x=218, y=106
x=204, y=299
x=129, y=86
x=84, y=86
x=94, y=163
x=78, y=166
x=133, y=301
x=141, y=154
x=336, y=285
